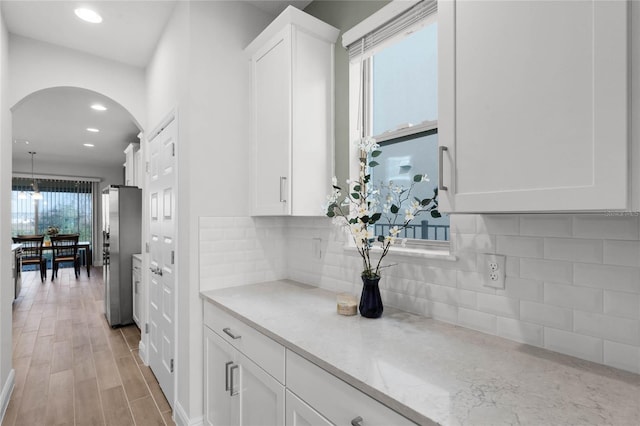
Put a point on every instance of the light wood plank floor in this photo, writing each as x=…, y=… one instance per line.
x=71, y=367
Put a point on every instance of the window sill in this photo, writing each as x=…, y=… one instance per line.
x=406, y=252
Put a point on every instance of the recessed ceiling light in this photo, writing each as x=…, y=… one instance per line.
x=88, y=15
x=99, y=107
x=89, y=145
x=92, y=130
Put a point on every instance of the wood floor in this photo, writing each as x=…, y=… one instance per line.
x=71, y=367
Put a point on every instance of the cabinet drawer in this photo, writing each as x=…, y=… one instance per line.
x=339, y=402
x=254, y=345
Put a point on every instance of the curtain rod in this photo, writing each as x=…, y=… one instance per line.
x=57, y=177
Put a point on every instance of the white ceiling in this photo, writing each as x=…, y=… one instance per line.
x=54, y=121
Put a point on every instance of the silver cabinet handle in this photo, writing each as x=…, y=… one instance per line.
x=283, y=179
x=229, y=333
x=441, y=150
x=232, y=390
x=357, y=421
x=226, y=375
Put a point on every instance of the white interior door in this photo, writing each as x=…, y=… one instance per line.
x=162, y=260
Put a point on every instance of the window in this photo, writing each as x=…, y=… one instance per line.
x=394, y=69
x=66, y=205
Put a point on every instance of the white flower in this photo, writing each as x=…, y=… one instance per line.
x=367, y=144
x=390, y=240
x=425, y=178
x=334, y=181
x=408, y=215
x=394, y=231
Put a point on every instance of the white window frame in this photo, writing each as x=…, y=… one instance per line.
x=357, y=81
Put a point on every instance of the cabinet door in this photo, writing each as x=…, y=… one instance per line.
x=272, y=126
x=299, y=413
x=135, y=279
x=261, y=397
x=533, y=105
x=220, y=408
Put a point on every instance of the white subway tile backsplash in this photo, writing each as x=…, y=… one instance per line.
x=546, y=225
x=500, y=224
x=606, y=227
x=463, y=223
x=618, y=278
x=619, y=330
x=480, y=321
x=573, y=297
x=574, y=249
x=520, y=331
x=520, y=246
x=546, y=270
x=475, y=242
x=619, y=304
x=566, y=342
x=547, y=315
x=622, y=356
x=624, y=253
x=572, y=281
x=498, y=305
x=522, y=288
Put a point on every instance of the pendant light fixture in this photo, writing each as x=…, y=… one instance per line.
x=34, y=185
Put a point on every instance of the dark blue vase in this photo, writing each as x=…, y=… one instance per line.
x=370, y=300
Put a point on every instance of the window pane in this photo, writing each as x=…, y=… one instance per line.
x=405, y=81
x=398, y=163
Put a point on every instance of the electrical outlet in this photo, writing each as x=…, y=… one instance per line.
x=494, y=273
x=316, y=251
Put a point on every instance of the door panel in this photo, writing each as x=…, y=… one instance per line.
x=162, y=259
x=261, y=396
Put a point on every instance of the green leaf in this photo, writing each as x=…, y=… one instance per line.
x=376, y=153
x=364, y=219
x=373, y=163
x=355, y=195
x=425, y=202
x=331, y=214
x=357, y=188
x=375, y=217
x=417, y=178
x=394, y=209
x=435, y=214
x=381, y=238
x=353, y=220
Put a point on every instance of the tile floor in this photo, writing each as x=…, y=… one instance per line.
x=71, y=367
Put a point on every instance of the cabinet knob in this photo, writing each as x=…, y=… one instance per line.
x=357, y=421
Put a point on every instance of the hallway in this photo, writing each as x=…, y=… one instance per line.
x=71, y=367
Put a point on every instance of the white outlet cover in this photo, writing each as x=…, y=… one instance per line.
x=494, y=270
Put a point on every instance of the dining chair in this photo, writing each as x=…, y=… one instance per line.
x=32, y=252
x=65, y=249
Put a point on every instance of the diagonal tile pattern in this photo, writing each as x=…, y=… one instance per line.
x=71, y=367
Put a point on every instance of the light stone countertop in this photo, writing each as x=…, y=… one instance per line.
x=432, y=371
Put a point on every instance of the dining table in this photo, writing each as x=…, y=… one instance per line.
x=84, y=246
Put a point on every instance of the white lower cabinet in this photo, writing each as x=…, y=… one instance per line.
x=136, y=280
x=244, y=383
x=239, y=369
x=299, y=413
x=333, y=400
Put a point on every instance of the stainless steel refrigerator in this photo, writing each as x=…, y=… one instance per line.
x=121, y=236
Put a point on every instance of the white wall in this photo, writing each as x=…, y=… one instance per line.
x=199, y=68
x=37, y=65
x=6, y=284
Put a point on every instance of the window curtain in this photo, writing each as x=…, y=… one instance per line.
x=66, y=204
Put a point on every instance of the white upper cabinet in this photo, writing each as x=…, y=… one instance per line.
x=292, y=115
x=534, y=105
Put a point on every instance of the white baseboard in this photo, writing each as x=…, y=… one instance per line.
x=7, y=389
x=142, y=352
x=182, y=419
